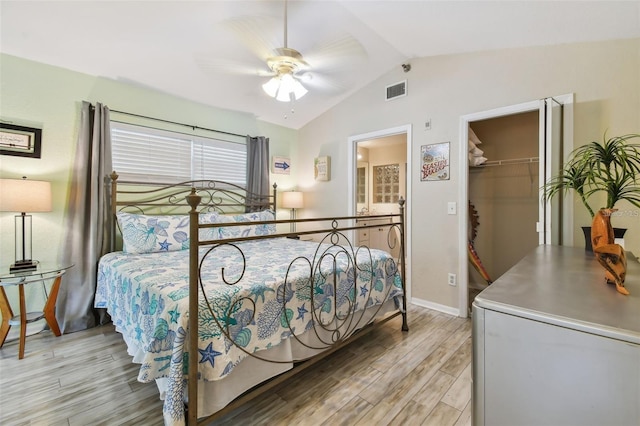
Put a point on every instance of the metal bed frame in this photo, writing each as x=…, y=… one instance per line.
x=210, y=195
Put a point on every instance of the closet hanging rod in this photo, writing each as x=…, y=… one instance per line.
x=510, y=161
x=179, y=124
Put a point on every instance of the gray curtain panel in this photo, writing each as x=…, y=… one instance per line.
x=257, y=172
x=87, y=221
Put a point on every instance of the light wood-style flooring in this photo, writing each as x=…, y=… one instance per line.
x=422, y=377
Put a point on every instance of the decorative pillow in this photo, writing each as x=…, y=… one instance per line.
x=249, y=230
x=150, y=234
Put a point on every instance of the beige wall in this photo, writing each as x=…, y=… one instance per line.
x=604, y=77
x=49, y=97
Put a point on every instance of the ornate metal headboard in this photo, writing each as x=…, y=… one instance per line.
x=155, y=198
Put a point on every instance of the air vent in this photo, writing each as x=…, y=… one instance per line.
x=396, y=90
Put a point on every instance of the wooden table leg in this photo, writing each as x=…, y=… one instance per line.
x=7, y=314
x=50, y=307
x=23, y=321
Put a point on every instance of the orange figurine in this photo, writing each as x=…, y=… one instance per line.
x=609, y=254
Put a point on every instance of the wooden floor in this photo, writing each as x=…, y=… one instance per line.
x=422, y=377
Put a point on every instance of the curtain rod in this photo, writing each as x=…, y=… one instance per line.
x=179, y=124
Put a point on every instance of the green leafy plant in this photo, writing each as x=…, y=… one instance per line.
x=611, y=166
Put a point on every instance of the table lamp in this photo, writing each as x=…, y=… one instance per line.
x=22, y=195
x=292, y=200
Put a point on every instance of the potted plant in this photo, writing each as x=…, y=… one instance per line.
x=611, y=166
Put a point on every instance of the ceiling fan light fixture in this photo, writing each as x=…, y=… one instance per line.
x=298, y=89
x=271, y=87
x=284, y=87
x=283, y=92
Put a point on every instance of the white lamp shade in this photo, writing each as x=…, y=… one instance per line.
x=292, y=200
x=25, y=196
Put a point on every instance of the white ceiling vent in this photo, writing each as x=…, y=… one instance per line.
x=396, y=90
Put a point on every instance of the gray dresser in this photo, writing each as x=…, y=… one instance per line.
x=554, y=345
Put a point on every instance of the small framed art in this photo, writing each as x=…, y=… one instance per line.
x=322, y=168
x=20, y=141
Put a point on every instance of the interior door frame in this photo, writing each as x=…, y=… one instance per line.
x=352, y=167
x=567, y=101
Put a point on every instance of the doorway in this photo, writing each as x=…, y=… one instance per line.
x=503, y=194
x=384, y=152
x=552, y=135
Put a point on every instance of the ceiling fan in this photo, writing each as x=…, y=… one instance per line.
x=284, y=85
x=325, y=67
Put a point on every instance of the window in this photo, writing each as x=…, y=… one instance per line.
x=162, y=155
x=386, y=184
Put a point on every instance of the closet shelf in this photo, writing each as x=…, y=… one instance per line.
x=507, y=162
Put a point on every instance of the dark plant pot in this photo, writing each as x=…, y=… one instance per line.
x=617, y=232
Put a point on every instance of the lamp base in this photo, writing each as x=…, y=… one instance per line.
x=23, y=266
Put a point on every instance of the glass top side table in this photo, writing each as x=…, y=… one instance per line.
x=43, y=273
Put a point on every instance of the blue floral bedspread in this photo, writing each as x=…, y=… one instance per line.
x=267, y=296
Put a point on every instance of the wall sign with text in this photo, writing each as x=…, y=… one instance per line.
x=322, y=168
x=435, y=162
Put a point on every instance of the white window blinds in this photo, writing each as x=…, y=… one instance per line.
x=140, y=152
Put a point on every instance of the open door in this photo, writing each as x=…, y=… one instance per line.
x=354, y=205
x=551, y=160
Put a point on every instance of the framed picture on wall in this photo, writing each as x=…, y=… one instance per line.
x=322, y=168
x=435, y=162
x=20, y=141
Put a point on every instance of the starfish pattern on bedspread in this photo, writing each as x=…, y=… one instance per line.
x=209, y=354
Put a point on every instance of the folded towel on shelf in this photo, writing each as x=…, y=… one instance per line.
x=475, y=154
x=473, y=138
x=476, y=161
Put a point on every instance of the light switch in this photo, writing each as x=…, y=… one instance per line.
x=451, y=207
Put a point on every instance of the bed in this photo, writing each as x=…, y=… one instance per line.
x=269, y=302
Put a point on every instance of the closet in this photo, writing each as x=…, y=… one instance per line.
x=503, y=192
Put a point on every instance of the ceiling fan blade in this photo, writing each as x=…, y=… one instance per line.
x=260, y=34
x=322, y=82
x=336, y=53
x=215, y=64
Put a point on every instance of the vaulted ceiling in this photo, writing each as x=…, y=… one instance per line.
x=214, y=52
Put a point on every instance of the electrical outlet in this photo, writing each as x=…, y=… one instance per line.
x=451, y=207
x=452, y=279
x=427, y=124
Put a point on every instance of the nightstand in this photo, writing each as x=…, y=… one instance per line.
x=42, y=274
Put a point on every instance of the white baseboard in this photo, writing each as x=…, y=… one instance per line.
x=436, y=306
